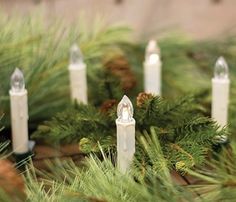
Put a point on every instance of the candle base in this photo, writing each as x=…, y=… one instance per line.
x=220, y=144
x=22, y=159
x=221, y=140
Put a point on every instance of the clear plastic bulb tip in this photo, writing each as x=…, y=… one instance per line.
x=152, y=52
x=76, y=56
x=125, y=110
x=221, y=69
x=17, y=81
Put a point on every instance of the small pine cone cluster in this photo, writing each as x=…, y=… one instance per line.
x=119, y=67
x=107, y=105
x=142, y=98
x=11, y=181
x=181, y=166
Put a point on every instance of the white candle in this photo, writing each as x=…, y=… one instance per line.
x=152, y=69
x=220, y=92
x=125, y=125
x=78, y=76
x=19, y=113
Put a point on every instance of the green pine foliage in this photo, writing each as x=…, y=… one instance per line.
x=188, y=68
x=204, y=55
x=42, y=51
x=170, y=134
x=100, y=180
x=185, y=135
x=75, y=123
x=217, y=179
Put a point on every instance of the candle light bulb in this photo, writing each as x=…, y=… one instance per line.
x=221, y=69
x=152, y=52
x=17, y=81
x=76, y=56
x=125, y=110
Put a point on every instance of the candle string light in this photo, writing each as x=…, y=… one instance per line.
x=220, y=94
x=125, y=134
x=78, y=77
x=19, y=113
x=152, y=69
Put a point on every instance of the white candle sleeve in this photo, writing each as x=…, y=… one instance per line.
x=152, y=69
x=78, y=82
x=220, y=98
x=19, y=121
x=152, y=77
x=125, y=125
x=125, y=144
x=220, y=92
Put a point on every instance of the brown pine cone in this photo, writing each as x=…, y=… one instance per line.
x=142, y=97
x=11, y=181
x=119, y=67
x=128, y=82
x=107, y=105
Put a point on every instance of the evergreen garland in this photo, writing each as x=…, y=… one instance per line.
x=175, y=134
x=184, y=136
x=42, y=52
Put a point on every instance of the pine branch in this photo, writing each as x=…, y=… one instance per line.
x=99, y=180
x=73, y=125
x=218, y=178
x=42, y=53
x=181, y=132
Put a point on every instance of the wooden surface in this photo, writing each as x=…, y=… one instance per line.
x=44, y=153
x=198, y=18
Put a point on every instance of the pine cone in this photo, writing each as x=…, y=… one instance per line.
x=107, y=105
x=11, y=181
x=196, y=55
x=142, y=97
x=119, y=67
